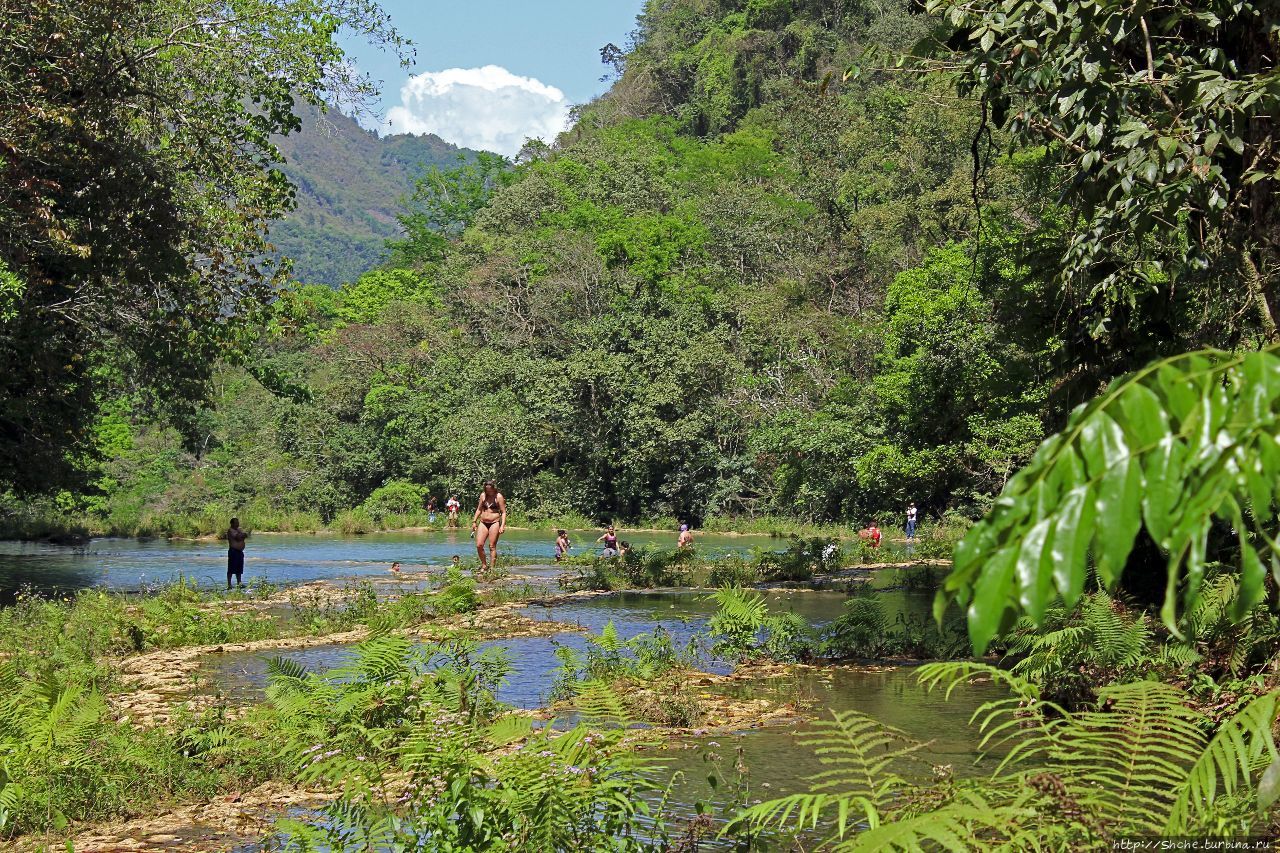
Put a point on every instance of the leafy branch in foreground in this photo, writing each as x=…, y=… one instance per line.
x=1170, y=448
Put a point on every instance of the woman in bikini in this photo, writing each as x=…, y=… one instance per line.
x=489, y=522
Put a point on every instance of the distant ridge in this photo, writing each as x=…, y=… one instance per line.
x=350, y=182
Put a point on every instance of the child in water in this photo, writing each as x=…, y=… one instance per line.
x=562, y=545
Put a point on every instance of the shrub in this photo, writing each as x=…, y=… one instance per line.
x=743, y=629
x=354, y=522
x=801, y=559
x=396, y=497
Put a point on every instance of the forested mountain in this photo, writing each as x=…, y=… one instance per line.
x=761, y=275
x=350, y=183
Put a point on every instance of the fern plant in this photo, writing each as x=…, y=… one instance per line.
x=399, y=733
x=1138, y=764
x=1077, y=650
x=743, y=628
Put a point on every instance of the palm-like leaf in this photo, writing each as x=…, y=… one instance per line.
x=1128, y=762
x=970, y=822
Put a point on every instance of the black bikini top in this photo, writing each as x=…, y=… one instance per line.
x=490, y=505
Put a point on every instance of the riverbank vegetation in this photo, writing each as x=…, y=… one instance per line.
x=806, y=260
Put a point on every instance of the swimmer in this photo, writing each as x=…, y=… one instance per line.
x=489, y=523
x=562, y=545
x=395, y=567
x=686, y=537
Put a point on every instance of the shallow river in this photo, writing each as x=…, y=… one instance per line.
x=133, y=565
x=776, y=760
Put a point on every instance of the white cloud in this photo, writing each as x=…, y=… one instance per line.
x=487, y=108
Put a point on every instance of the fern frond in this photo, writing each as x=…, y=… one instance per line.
x=1128, y=761
x=804, y=812
x=741, y=605
x=508, y=729
x=858, y=753
x=954, y=673
x=1240, y=747
x=598, y=703
x=970, y=822
x=280, y=668
x=609, y=640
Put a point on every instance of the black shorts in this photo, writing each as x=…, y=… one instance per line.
x=235, y=562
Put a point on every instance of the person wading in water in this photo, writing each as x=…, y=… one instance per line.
x=489, y=522
x=235, y=552
x=610, y=540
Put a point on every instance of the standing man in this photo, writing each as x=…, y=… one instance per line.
x=235, y=552
x=911, y=521
x=686, y=537
x=453, y=506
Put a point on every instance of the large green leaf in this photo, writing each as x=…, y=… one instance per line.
x=1168, y=448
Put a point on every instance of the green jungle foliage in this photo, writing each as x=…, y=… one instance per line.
x=1140, y=764
x=649, y=567
x=737, y=287
x=136, y=186
x=424, y=756
x=743, y=629
x=1165, y=452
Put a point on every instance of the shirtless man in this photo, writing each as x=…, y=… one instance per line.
x=686, y=537
x=235, y=552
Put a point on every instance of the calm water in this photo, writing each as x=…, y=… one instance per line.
x=131, y=565
x=779, y=762
x=534, y=664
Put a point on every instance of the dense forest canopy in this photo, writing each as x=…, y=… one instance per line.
x=746, y=281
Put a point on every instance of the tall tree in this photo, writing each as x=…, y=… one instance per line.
x=1158, y=120
x=136, y=183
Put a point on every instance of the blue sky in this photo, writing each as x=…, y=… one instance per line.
x=490, y=73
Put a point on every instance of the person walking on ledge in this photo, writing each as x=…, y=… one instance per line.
x=235, y=552
x=489, y=522
x=911, y=521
